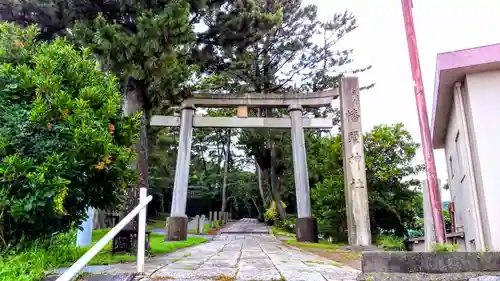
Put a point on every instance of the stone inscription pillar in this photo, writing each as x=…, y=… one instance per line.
x=177, y=227
x=356, y=194
x=306, y=228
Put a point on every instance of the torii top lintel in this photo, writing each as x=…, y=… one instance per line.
x=306, y=100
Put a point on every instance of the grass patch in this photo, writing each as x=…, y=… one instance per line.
x=445, y=248
x=329, y=251
x=158, y=246
x=390, y=243
x=32, y=264
x=278, y=231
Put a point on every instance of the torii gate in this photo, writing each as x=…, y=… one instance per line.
x=354, y=160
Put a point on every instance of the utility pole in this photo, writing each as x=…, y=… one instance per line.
x=423, y=120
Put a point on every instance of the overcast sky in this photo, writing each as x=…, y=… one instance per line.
x=441, y=26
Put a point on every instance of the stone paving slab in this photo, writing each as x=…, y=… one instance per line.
x=254, y=255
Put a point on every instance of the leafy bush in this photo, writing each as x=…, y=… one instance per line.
x=332, y=221
x=271, y=213
x=64, y=144
x=288, y=224
x=445, y=248
x=31, y=263
x=391, y=243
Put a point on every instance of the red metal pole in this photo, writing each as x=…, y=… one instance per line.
x=423, y=120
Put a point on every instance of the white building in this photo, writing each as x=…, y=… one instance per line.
x=466, y=123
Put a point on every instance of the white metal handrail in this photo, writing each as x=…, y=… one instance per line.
x=69, y=274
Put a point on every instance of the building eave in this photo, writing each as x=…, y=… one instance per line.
x=452, y=67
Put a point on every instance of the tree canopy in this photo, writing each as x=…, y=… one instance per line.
x=393, y=196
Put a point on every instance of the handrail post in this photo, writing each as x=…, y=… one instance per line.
x=69, y=274
x=141, y=236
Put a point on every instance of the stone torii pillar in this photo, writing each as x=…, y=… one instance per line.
x=178, y=221
x=356, y=194
x=307, y=230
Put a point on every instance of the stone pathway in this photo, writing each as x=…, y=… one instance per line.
x=242, y=252
x=246, y=226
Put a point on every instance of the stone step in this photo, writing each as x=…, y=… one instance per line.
x=462, y=276
x=412, y=262
x=99, y=277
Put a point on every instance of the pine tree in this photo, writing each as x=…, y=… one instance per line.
x=150, y=53
x=299, y=54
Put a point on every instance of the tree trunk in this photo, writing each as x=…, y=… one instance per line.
x=249, y=208
x=226, y=168
x=99, y=219
x=266, y=178
x=135, y=102
x=259, y=178
x=162, y=203
x=274, y=183
x=259, y=213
